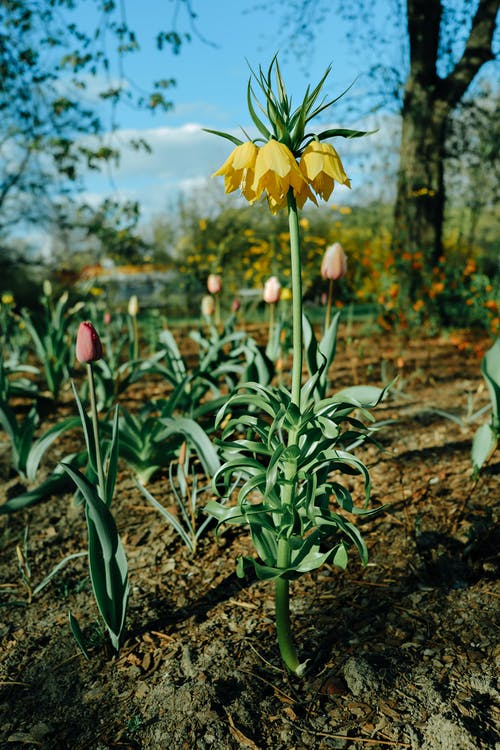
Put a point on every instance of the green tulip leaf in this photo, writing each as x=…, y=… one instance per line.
x=484, y=444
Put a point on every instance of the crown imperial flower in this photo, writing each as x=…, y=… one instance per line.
x=288, y=163
x=321, y=166
x=334, y=264
x=276, y=171
x=238, y=170
x=88, y=343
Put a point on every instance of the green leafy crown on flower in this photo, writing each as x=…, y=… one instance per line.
x=287, y=126
x=291, y=161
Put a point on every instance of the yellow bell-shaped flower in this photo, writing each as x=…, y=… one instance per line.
x=276, y=170
x=239, y=170
x=303, y=194
x=321, y=166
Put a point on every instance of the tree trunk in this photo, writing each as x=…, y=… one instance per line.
x=419, y=209
x=428, y=102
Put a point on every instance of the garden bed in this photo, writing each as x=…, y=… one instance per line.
x=401, y=652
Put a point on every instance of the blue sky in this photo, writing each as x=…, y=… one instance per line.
x=212, y=75
x=211, y=78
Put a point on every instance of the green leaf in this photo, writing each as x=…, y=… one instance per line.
x=364, y=396
x=340, y=558
x=265, y=543
x=112, y=466
x=78, y=635
x=320, y=356
x=308, y=559
x=196, y=437
x=232, y=138
x=256, y=119
x=87, y=430
x=24, y=440
x=172, y=520
x=41, y=445
x=343, y=133
x=490, y=367
x=483, y=445
x=56, y=484
x=107, y=560
x=263, y=572
x=55, y=570
x=224, y=514
x=310, y=345
x=9, y=422
x=328, y=344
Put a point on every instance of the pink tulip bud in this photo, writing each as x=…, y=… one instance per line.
x=272, y=290
x=88, y=343
x=236, y=304
x=207, y=305
x=107, y=318
x=334, y=264
x=214, y=283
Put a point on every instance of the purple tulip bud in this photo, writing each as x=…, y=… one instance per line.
x=88, y=343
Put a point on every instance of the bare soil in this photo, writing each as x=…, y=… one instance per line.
x=402, y=653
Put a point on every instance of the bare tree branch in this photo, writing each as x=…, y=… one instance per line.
x=478, y=51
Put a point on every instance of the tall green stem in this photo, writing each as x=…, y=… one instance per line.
x=328, y=313
x=135, y=329
x=217, y=310
x=270, y=338
x=293, y=223
x=95, y=426
x=282, y=585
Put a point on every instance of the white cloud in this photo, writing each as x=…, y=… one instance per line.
x=183, y=158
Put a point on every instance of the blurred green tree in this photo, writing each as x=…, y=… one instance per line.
x=52, y=73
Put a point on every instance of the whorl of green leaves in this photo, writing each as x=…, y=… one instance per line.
x=286, y=124
x=259, y=456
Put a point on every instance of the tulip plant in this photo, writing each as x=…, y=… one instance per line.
x=133, y=311
x=49, y=332
x=292, y=456
x=486, y=437
x=333, y=267
x=214, y=286
x=226, y=357
x=184, y=485
x=271, y=296
x=26, y=450
x=107, y=560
